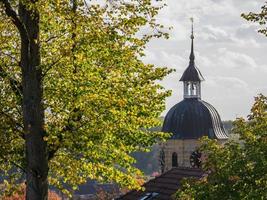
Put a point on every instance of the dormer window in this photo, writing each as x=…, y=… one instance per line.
x=149, y=196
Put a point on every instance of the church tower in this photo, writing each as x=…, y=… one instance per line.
x=189, y=120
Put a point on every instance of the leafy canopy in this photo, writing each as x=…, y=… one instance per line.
x=235, y=170
x=100, y=98
x=260, y=18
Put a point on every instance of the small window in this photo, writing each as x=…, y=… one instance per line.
x=194, y=89
x=149, y=196
x=189, y=88
x=174, y=160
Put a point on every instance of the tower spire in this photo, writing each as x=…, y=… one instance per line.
x=192, y=56
x=192, y=77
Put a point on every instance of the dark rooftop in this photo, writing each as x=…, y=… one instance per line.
x=192, y=73
x=163, y=186
x=192, y=119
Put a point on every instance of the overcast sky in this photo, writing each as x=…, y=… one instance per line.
x=229, y=52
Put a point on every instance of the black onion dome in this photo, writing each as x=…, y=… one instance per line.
x=192, y=119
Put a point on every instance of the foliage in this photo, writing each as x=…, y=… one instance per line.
x=107, y=195
x=20, y=195
x=235, y=170
x=228, y=125
x=100, y=99
x=260, y=18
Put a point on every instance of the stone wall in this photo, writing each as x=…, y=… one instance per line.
x=183, y=149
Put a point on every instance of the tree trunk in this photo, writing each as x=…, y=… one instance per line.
x=33, y=111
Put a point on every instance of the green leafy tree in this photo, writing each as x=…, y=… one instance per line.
x=260, y=18
x=76, y=98
x=235, y=170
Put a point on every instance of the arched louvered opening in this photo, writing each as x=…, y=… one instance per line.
x=174, y=160
x=192, y=89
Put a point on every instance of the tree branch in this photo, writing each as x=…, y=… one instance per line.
x=13, y=163
x=10, y=12
x=70, y=128
x=15, y=85
x=8, y=55
x=50, y=66
x=16, y=124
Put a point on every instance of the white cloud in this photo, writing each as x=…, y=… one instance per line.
x=236, y=60
x=228, y=83
x=214, y=33
x=229, y=52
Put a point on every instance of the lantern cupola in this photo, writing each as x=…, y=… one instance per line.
x=192, y=77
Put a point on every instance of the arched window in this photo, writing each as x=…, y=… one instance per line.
x=174, y=160
x=187, y=88
x=194, y=89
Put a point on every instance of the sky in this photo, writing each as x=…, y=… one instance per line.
x=229, y=52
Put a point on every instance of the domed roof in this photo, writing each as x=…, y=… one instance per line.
x=192, y=119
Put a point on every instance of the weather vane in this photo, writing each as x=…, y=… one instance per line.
x=192, y=34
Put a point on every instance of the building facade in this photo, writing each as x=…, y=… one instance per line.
x=188, y=121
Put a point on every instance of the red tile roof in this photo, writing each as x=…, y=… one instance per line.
x=165, y=185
